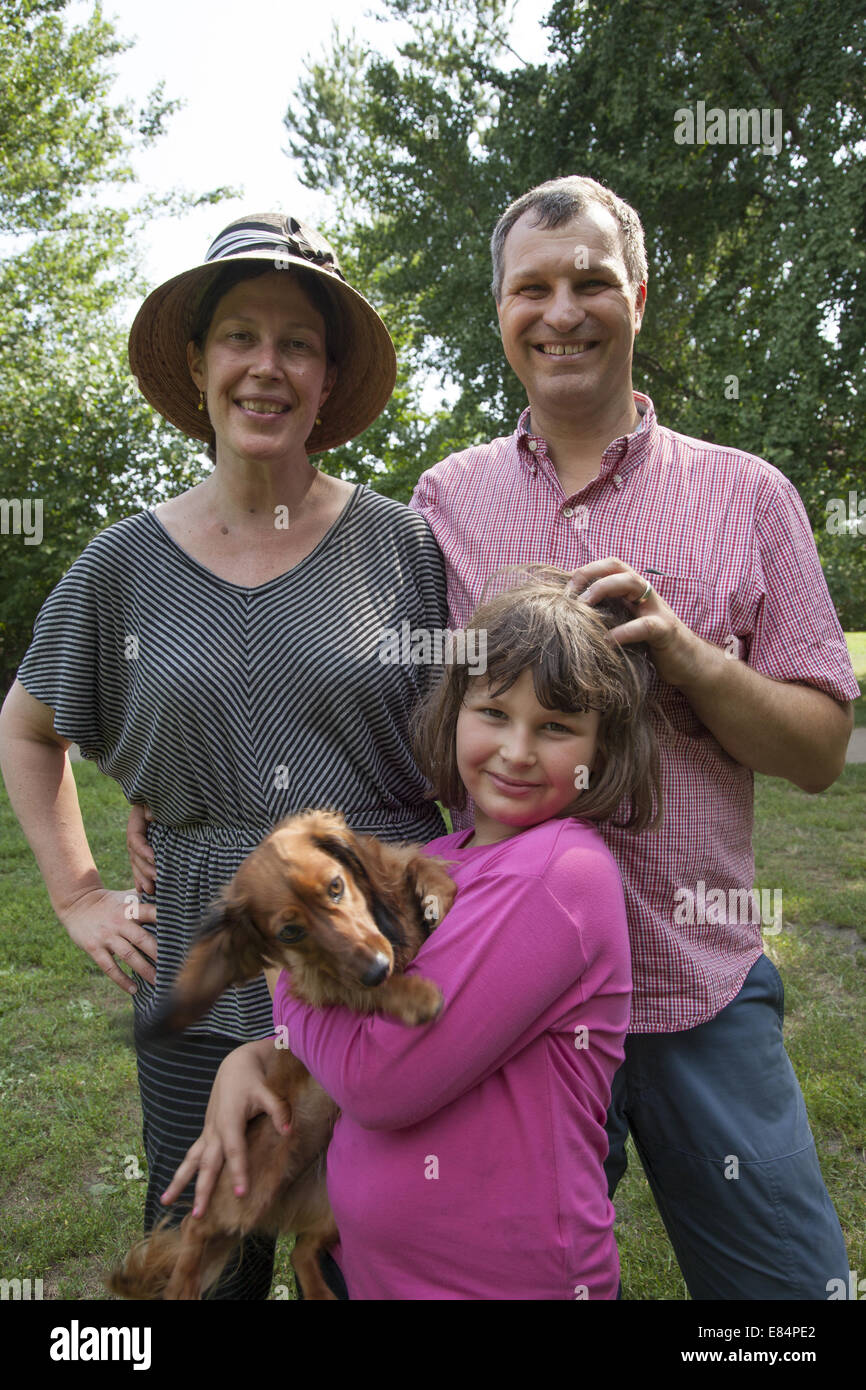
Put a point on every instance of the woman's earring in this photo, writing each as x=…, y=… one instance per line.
x=318, y=419
x=201, y=400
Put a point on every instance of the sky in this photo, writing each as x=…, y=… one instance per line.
x=236, y=67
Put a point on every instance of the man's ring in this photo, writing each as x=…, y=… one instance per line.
x=646, y=593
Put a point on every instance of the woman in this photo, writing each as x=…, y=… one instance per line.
x=218, y=655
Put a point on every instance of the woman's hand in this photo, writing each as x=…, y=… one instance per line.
x=105, y=924
x=239, y=1094
x=141, y=856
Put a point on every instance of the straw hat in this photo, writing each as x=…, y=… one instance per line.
x=366, y=362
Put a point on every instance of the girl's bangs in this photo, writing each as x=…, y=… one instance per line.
x=528, y=636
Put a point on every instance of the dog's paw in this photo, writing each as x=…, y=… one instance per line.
x=423, y=1005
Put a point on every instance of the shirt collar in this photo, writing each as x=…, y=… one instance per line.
x=620, y=456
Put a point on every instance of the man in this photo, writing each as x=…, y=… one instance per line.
x=713, y=549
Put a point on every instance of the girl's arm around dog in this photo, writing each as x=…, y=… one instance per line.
x=536, y=942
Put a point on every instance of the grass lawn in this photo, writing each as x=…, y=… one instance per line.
x=71, y=1158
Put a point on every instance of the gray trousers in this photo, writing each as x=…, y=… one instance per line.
x=719, y=1123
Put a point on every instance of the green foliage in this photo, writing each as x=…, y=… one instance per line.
x=844, y=569
x=75, y=433
x=757, y=303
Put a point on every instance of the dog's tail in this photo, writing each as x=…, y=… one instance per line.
x=175, y=1262
x=149, y=1265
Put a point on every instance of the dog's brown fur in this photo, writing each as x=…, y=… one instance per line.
x=355, y=912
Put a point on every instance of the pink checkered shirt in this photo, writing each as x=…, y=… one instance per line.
x=725, y=540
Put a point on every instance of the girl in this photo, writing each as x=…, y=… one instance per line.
x=468, y=1159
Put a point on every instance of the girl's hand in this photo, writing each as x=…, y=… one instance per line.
x=141, y=856
x=105, y=924
x=238, y=1095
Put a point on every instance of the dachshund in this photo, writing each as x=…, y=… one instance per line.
x=345, y=913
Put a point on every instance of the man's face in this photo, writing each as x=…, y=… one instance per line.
x=568, y=316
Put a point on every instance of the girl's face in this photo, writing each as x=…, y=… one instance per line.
x=521, y=763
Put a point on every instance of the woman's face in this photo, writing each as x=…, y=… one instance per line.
x=264, y=368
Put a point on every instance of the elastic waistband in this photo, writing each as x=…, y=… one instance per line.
x=426, y=823
x=204, y=832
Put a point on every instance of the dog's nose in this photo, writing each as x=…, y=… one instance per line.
x=377, y=972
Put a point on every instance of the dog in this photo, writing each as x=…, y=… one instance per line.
x=345, y=913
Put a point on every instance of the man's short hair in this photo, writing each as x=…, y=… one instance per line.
x=560, y=200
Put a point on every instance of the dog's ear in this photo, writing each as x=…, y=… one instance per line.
x=387, y=922
x=434, y=889
x=355, y=856
x=229, y=950
x=346, y=852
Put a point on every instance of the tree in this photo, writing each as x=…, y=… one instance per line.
x=755, y=321
x=77, y=439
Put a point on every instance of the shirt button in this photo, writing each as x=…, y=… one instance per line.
x=568, y=511
x=532, y=445
x=617, y=480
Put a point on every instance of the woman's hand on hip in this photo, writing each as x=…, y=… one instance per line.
x=239, y=1094
x=107, y=924
x=141, y=856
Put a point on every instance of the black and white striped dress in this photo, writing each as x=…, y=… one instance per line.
x=225, y=708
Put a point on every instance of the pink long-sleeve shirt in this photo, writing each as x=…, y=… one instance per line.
x=467, y=1160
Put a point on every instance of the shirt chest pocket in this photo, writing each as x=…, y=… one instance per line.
x=687, y=595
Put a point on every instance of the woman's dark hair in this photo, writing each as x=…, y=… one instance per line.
x=542, y=626
x=229, y=276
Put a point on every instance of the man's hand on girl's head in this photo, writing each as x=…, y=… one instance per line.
x=676, y=651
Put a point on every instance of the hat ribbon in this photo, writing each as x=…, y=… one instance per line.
x=262, y=236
